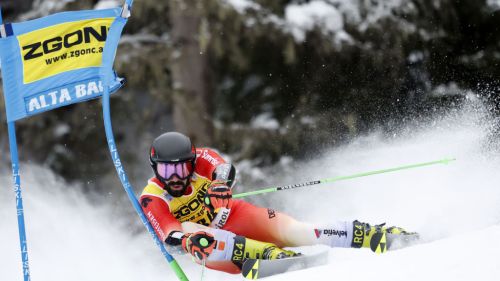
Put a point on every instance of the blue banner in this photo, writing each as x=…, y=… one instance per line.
x=58, y=60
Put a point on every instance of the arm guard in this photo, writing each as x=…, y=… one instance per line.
x=174, y=238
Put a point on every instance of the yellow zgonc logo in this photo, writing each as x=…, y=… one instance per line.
x=63, y=47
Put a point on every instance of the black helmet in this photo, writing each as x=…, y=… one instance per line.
x=176, y=150
x=172, y=147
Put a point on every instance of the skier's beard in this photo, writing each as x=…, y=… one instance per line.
x=173, y=189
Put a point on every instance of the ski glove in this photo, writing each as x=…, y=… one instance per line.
x=199, y=244
x=218, y=195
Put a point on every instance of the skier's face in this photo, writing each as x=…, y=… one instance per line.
x=176, y=183
x=175, y=176
x=176, y=187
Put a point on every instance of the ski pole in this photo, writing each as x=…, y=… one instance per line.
x=340, y=178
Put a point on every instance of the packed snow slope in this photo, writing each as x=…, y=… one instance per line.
x=455, y=207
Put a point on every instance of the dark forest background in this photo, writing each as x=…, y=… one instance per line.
x=240, y=81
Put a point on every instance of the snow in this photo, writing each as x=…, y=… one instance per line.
x=108, y=4
x=242, y=5
x=455, y=207
x=470, y=256
x=136, y=40
x=378, y=10
x=450, y=89
x=329, y=16
x=44, y=8
x=493, y=4
x=61, y=130
x=416, y=56
x=265, y=121
x=304, y=17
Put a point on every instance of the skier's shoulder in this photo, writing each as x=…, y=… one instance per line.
x=210, y=155
x=207, y=160
x=153, y=197
x=153, y=187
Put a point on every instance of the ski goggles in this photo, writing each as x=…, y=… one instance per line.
x=181, y=170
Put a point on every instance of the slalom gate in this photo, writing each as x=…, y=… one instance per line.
x=58, y=60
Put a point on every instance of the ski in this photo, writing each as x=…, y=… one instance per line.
x=255, y=269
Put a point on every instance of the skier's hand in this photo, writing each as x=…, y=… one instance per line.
x=218, y=195
x=199, y=244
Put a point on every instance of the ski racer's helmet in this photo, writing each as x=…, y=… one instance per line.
x=173, y=154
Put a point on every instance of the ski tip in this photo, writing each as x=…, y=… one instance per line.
x=250, y=269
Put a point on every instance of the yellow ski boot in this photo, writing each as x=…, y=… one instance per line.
x=245, y=248
x=380, y=238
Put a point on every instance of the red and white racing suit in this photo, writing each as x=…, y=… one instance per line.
x=166, y=213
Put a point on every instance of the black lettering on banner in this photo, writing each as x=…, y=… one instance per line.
x=69, y=40
x=79, y=39
x=99, y=37
x=32, y=49
x=72, y=54
x=47, y=49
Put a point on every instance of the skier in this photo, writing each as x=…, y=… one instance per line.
x=189, y=204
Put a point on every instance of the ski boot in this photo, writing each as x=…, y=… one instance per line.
x=398, y=238
x=245, y=248
x=275, y=253
x=380, y=238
